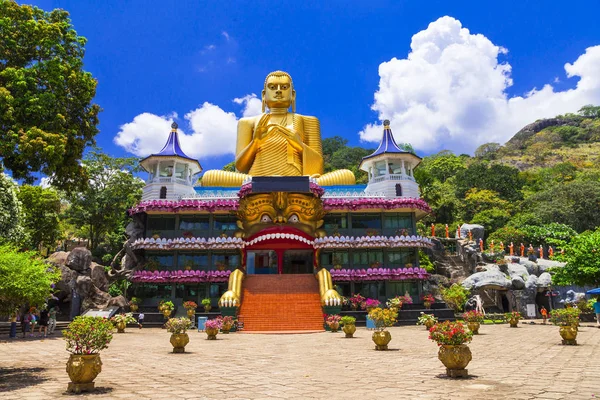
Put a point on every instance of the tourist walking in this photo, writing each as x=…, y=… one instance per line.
x=141, y=319
x=52, y=320
x=544, y=313
x=44, y=322
x=25, y=322
x=597, y=310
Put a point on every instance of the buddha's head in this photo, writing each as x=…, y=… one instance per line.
x=278, y=91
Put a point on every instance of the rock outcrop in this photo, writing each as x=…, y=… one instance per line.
x=129, y=261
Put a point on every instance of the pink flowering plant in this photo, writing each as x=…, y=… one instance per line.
x=333, y=319
x=473, y=316
x=356, y=301
x=216, y=323
x=226, y=322
x=88, y=335
x=372, y=303
x=428, y=298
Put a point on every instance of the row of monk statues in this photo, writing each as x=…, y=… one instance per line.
x=278, y=142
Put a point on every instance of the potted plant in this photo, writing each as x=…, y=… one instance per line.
x=166, y=308
x=348, y=325
x=85, y=337
x=406, y=299
x=382, y=318
x=395, y=302
x=428, y=300
x=134, y=304
x=179, y=338
x=226, y=324
x=333, y=322
x=206, y=304
x=120, y=321
x=371, y=304
x=428, y=320
x=568, y=320
x=356, y=301
x=190, y=307
x=513, y=318
x=474, y=320
x=211, y=327
x=452, y=337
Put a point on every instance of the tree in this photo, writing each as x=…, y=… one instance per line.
x=480, y=200
x=229, y=167
x=333, y=144
x=590, y=111
x=582, y=256
x=41, y=208
x=46, y=113
x=499, y=178
x=102, y=207
x=441, y=166
x=487, y=151
x=11, y=214
x=24, y=279
x=349, y=158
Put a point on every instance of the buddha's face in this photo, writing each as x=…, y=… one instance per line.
x=278, y=91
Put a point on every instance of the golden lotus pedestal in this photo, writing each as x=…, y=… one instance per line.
x=349, y=330
x=474, y=327
x=381, y=339
x=455, y=359
x=568, y=333
x=179, y=341
x=82, y=370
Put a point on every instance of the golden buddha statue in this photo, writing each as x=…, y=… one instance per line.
x=278, y=142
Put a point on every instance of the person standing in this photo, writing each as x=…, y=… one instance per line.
x=44, y=322
x=141, y=319
x=544, y=313
x=52, y=320
x=13, y=324
x=597, y=310
x=25, y=320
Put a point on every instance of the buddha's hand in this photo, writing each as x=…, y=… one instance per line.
x=229, y=299
x=331, y=297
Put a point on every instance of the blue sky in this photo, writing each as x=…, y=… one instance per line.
x=158, y=60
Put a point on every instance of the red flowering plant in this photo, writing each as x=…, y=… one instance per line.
x=88, y=335
x=513, y=315
x=450, y=334
x=190, y=305
x=333, y=319
x=428, y=298
x=473, y=316
x=226, y=322
x=356, y=300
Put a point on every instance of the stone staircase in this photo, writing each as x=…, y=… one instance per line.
x=278, y=303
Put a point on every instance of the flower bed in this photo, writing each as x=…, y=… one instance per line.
x=346, y=242
x=378, y=274
x=180, y=276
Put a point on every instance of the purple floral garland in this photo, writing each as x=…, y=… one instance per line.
x=181, y=276
x=184, y=205
x=378, y=274
x=332, y=204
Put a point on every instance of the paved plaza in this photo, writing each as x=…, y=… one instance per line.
x=523, y=363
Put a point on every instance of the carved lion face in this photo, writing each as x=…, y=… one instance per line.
x=301, y=211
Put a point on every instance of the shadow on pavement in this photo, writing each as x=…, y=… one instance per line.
x=18, y=378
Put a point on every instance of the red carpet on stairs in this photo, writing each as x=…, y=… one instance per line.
x=281, y=303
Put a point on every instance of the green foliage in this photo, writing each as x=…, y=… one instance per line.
x=42, y=209
x=101, y=209
x=348, y=320
x=424, y=318
x=425, y=262
x=440, y=166
x=229, y=167
x=178, y=325
x=553, y=234
x=24, y=279
x=11, y=212
x=455, y=296
x=119, y=288
x=565, y=316
x=46, y=113
x=348, y=158
x=450, y=333
x=206, y=302
x=487, y=151
x=479, y=200
x=582, y=256
x=502, y=179
x=590, y=111
x=508, y=234
x=492, y=219
x=88, y=335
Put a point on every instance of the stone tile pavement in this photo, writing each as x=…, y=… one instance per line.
x=523, y=363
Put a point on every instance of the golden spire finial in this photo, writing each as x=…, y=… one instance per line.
x=174, y=126
x=386, y=124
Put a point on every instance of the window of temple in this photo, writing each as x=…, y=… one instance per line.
x=367, y=258
x=163, y=193
x=180, y=171
x=162, y=261
x=372, y=290
x=160, y=223
x=335, y=222
x=401, y=288
x=193, y=260
x=399, y=258
x=224, y=224
x=194, y=223
x=166, y=170
x=397, y=224
x=227, y=261
x=331, y=258
x=366, y=221
x=398, y=190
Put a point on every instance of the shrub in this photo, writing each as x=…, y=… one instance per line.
x=383, y=317
x=215, y=323
x=565, y=316
x=455, y=296
x=423, y=318
x=473, y=316
x=513, y=315
x=123, y=318
x=190, y=305
x=178, y=325
x=88, y=335
x=348, y=320
x=450, y=333
x=206, y=302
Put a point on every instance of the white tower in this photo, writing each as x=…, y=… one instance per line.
x=171, y=173
x=390, y=168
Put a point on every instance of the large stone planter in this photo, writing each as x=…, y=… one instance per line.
x=226, y=328
x=349, y=330
x=513, y=322
x=133, y=307
x=455, y=359
x=334, y=326
x=191, y=313
x=82, y=370
x=121, y=327
x=381, y=339
x=427, y=305
x=474, y=327
x=429, y=324
x=211, y=333
x=166, y=313
x=569, y=334
x=179, y=341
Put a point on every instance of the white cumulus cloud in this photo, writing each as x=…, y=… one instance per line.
x=450, y=92
x=211, y=130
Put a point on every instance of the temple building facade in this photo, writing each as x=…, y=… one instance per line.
x=303, y=241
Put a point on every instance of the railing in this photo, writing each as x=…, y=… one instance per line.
x=350, y=195
x=168, y=179
x=211, y=195
x=392, y=177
